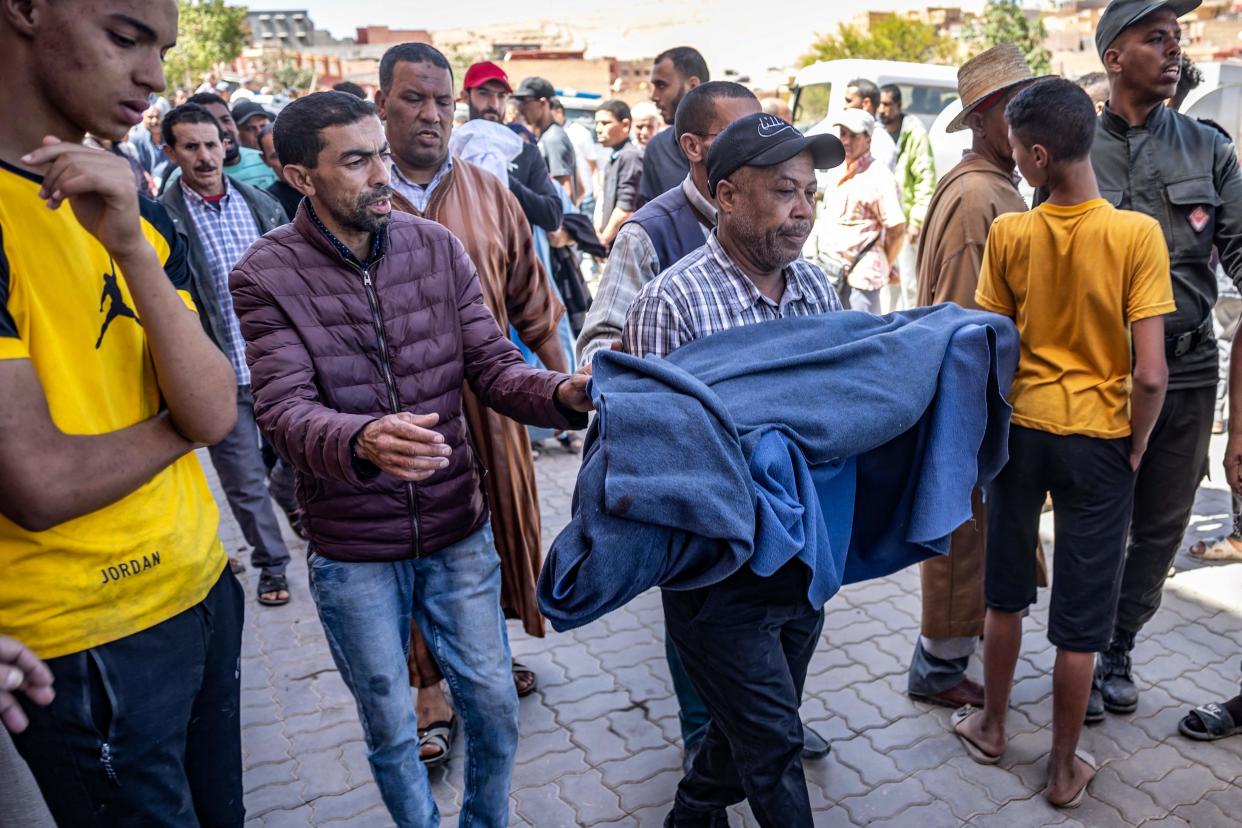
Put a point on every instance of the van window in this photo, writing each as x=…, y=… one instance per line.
x=925, y=100
x=811, y=105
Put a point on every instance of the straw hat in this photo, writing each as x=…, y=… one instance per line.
x=986, y=74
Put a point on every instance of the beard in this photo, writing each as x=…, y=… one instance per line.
x=487, y=114
x=231, y=152
x=355, y=215
x=771, y=248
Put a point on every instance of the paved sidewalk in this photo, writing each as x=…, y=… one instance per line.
x=599, y=741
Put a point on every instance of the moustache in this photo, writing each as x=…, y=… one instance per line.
x=802, y=228
x=380, y=193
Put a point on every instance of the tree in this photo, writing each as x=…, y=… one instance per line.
x=1004, y=21
x=893, y=38
x=209, y=33
x=284, y=73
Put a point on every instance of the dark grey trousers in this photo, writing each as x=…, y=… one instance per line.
x=243, y=476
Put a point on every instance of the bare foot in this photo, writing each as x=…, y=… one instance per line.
x=1064, y=786
x=433, y=706
x=991, y=742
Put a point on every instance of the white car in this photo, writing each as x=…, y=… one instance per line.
x=819, y=89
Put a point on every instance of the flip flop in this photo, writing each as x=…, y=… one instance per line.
x=1216, y=722
x=977, y=753
x=1077, y=798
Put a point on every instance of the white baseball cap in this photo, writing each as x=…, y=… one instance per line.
x=857, y=121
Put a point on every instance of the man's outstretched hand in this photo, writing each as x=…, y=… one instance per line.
x=572, y=393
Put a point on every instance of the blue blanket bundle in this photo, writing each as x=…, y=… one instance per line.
x=848, y=441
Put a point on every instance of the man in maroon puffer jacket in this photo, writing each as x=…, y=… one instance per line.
x=362, y=327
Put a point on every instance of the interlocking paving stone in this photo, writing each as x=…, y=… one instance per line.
x=601, y=736
x=543, y=806
x=931, y=815
x=548, y=768
x=859, y=754
x=349, y=804
x=322, y=773
x=540, y=744
x=591, y=801
x=1204, y=814
x=1133, y=803
x=272, y=773
x=658, y=790
x=886, y=801
x=600, y=741
x=964, y=799
x=640, y=766
x=1184, y=786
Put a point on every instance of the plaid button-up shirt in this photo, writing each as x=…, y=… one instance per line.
x=226, y=229
x=706, y=292
x=632, y=263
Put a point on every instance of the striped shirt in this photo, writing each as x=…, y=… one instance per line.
x=226, y=229
x=706, y=292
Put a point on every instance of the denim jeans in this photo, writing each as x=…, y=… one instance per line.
x=454, y=595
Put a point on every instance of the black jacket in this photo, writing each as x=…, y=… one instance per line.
x=534, y=188
x=1184, y=174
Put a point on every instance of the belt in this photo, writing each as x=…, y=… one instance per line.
x=1182, y=344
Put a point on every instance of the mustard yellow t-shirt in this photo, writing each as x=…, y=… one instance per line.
x=66, y=307
x=1073, y=278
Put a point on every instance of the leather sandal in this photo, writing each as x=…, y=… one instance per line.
x=441, y=736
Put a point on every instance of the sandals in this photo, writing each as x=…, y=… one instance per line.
x=1221, y=550
x=439, y=735
x=1216, y=721
x=269, y=583
x=977, y=753
x=520, y=669
x=1077, y=798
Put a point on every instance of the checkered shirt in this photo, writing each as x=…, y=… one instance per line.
x=706, y=292
x=225, y=229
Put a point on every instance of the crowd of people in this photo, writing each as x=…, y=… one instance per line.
x=367, y=310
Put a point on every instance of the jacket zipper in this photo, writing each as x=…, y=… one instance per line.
x=411, y=496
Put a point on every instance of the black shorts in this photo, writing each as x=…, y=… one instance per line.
x=1092, y=488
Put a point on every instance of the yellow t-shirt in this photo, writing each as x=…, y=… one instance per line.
x=1073, y=279
x=66, y=307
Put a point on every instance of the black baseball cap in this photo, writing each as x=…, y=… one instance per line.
x=761, y=140
x=535, y=87
x=245, y=110
x=1121, y=14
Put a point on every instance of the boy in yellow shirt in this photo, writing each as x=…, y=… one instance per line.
x=1085, y=283
x=113, y=571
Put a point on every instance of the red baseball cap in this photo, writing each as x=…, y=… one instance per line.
x=482, y=72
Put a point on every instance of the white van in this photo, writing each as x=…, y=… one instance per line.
x=819, y=89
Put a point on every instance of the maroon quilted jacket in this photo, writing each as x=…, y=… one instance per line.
x=333, y=344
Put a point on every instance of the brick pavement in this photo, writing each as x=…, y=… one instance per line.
x=599, y=740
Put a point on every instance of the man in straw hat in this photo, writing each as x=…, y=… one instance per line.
x=966, y=201
x=1184, y=174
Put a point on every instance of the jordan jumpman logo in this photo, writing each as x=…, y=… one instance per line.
x=112, y=292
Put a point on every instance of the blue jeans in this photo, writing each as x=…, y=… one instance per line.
x=454, y=595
